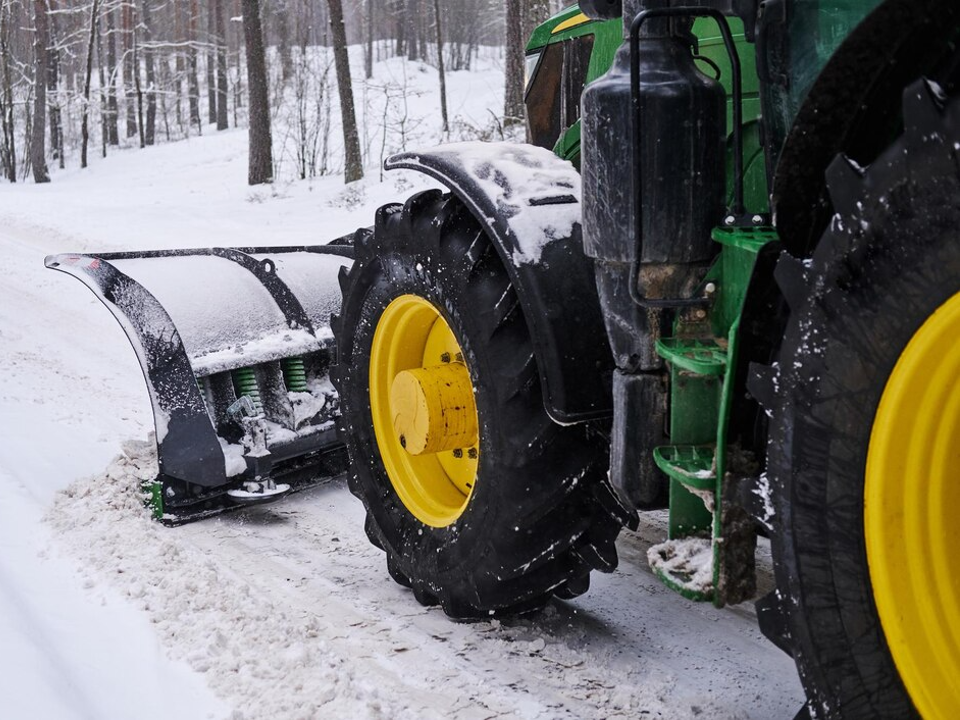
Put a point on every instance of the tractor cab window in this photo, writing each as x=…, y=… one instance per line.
x=554, y=89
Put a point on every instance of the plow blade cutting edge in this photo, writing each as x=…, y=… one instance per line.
x=235, y=346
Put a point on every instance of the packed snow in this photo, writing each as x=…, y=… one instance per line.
x=285, y=611
x=687, y=562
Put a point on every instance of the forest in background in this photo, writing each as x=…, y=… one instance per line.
x=87, y=76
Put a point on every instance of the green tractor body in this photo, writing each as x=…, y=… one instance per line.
x=722, y=278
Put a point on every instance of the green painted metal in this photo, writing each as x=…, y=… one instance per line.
x=607, y=38
x=690, y=465
x=816, y=30
x=694, y=404
x=153, y=498
x=703, y=349
x=701, y=357
x=546, y=32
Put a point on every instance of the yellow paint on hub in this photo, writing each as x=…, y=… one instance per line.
x=911, y=500
x=420, y=390
x=433, y=409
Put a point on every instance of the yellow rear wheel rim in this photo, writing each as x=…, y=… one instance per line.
x=911, y=507
x=412, y=335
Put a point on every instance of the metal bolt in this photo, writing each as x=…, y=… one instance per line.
x=757, y=219
x=729, y=220
x=458, y=453
x=700, y=314
x=710, y=288
x=459, y=357
x=445, y=357
x=472, y=453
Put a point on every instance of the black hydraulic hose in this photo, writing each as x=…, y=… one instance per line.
x=738, y=202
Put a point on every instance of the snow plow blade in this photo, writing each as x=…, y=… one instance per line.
x=235, y=346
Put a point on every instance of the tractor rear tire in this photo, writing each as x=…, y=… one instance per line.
x=848, y=569
x=540, y=514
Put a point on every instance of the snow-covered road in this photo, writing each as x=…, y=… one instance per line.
x=285, y=611
x=286, y=608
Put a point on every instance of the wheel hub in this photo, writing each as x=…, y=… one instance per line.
x=424, y=410
x=433, y=409
x=911, y=496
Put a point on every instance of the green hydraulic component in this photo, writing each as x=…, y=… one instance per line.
x=699, y=357
x=294, y=374
x=696, y=356
x=245, y=384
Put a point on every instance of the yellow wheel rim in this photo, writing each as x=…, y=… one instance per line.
x=424, y=411
x=911, y=503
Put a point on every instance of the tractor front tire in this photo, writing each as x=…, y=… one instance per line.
x=515, y=508
x=863, y=455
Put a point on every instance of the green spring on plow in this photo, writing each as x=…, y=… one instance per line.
x=245, y=384
x=294, y=374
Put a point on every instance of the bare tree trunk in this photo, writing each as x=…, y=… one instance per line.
x=401, y=18
x=211, y=62
x=368, y=56
x=261, y=156
x=443, y=76
x=150, y=133
x=113, y=133
x=85, y=122
x=179, y=33
x=534, y=13
x=193, y=82
x=104, y=133
x=41, y=44
x=283, y=39
x=513, y=100
x=351, y=140
x=53, y=85
x=138, y=86
x=222, y=88
x=131, y=69
x=410, y=20
x=234, y=43
x=9, y=147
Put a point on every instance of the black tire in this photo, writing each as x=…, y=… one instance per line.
x=889, y=259
x=541, y=514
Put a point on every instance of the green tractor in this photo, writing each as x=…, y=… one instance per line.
x=723, y=279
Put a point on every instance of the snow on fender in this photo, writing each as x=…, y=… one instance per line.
x=528, y=202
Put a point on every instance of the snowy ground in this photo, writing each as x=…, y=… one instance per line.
x=286, y=611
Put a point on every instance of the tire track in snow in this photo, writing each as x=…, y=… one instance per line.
x=289, y=612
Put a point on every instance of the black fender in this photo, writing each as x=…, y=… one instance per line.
x=528, y=201
x=854, y=107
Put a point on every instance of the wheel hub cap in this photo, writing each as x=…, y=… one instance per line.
x=433, y=409
x=424, y=411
